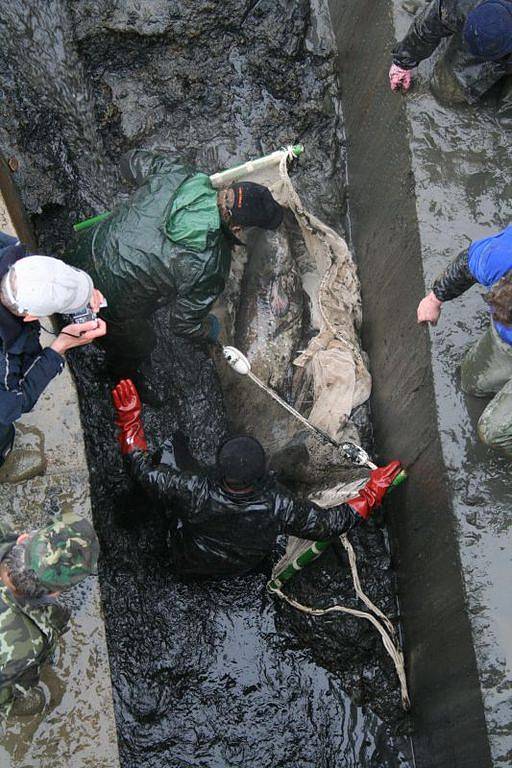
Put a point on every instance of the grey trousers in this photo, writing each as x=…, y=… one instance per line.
x=487, y=370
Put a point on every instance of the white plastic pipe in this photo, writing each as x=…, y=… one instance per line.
x=225, y=178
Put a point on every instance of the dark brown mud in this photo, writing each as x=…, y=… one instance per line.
x=205, y=673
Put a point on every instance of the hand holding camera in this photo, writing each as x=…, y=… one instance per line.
x=82, y=326
x=78, y=334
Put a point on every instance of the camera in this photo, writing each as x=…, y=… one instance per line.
x=84, y=315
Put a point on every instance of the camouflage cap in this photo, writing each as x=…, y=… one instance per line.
x=63, y=553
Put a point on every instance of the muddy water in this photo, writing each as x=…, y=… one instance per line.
x=205, y=673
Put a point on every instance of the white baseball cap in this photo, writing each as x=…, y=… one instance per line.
x=42, y=285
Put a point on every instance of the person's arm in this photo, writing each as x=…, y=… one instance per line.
x=308, y=521
x=197, y=289
x=44, y=366
x=167, y=484
x=20, y=653
x=424, y=35
x=164, y=483
x=191, y=315
x=454, y=280
x=451, y=283
x=35, y=369
x=138, y=164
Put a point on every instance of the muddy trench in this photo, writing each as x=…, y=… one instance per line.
x=205, y=673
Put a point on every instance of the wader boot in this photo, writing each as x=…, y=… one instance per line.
x=6, y=442
x=504, y=110
x=31, y=703
x=487, y=370
x=413, y=6
x=460, y=78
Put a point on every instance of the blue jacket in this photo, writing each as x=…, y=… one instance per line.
x=26, y=368
x=488, y=260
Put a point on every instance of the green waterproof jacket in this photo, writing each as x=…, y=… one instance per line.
x=164, y=245
x=29, y=631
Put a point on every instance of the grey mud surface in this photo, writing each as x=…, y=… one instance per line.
x=461, y=161
x=449, y=168
x=205, y=673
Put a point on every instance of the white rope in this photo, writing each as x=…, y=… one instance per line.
x=358, y=588
x=261, y=384
x=393, y=650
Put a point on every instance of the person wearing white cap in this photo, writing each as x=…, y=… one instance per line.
x=32, y=287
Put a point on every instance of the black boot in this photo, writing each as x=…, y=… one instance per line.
x=6, y=442
x=413, y=6
x=504, y=110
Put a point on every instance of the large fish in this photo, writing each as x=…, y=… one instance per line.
x=268, y=329
x=269, y=320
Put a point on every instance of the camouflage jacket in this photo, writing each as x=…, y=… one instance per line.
x=29, y=631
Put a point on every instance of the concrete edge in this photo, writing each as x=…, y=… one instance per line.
x=442, y=670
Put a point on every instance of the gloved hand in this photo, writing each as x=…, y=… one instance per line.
x=375, y=489
x=400, y=79
x=212, y=329
x=128, y=407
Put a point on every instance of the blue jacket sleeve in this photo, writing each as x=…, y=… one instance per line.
x=491, y=258
x=32, y=381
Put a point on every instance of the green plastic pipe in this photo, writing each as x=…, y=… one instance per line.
x=81, y=225
x=315, y=550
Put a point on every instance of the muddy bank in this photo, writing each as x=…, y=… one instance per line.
x=204, y=673
x=44, y=476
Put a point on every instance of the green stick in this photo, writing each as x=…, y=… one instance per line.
x=81, y=225
x=315, y=550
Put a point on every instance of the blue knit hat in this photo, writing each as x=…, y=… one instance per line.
x=488, y=30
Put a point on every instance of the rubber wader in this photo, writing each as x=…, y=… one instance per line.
x=487, y=370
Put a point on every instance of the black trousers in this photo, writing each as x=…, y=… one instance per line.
x=6, y=441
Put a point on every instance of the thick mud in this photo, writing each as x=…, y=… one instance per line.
x=205, y=673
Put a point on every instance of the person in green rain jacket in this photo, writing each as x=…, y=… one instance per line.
x=34, y=568
x=169, y=243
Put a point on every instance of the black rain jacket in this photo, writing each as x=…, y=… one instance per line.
x=454, y=280
x=217, y=532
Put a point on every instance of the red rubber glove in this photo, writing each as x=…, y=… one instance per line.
x=128, y=407
x=399, y=79
x=375, y=489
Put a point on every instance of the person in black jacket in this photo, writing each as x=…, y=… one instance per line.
x=32, y=287
x=478, y=56
x=229, y=524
